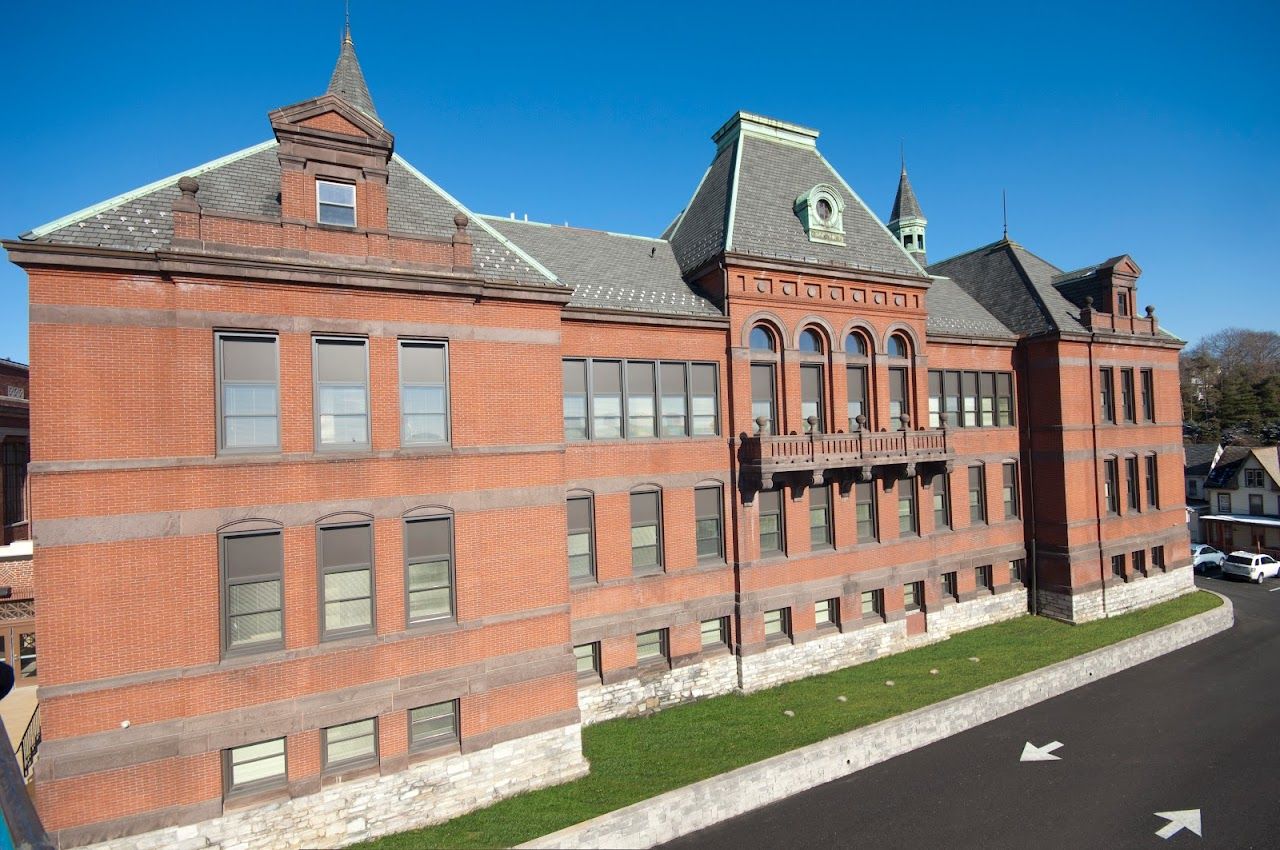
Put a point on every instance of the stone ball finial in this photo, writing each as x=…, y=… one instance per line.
x=861, y=419
x=1151, y=311
x=906, y=421
x=812, y=420
x=762, y=421
x=188, y=185
x=1088, y=302
x=461, y=221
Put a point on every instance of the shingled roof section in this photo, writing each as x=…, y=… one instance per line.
x=248, y=182
x=1233, y=457
x=609, y=270
x=348, y=80
x=1198, y=457
x=699, y=233
x=905, y=204
x=953, y=312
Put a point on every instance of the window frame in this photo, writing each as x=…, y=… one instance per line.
x=951, y=586
x=354, y=206
x=220, y=413
x=1153, y=481
x=435, y=516
x=722, y=628
x=784, y=633
x=1128, y=402
x=660, y=560
x=441, y=739
x=1107, y=397
x=781, y=513
x=596, y=671
x=664, y=648
x=905, y=490
x=877, y=604
x=225, y=585
x=984, y=578
x=828, y=527
x=980, y=505
x=832, y=605
x=317, y=340
x=699, y=518
x=1010, y=491
x=869, y=488
x=341, y=765
x=1148, y=390
x=414, y=342
x=773, y=425
x=916, y=596
x=1111, y=489
x=327, y=634
x=589, y=498
x=1221, y=497
x=230, y=789
x=941, y=487
x=817, y=406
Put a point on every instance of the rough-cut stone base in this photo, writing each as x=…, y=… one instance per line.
x=426, y=793
x=858, y=645
x=653, y=691
x=1118, y=598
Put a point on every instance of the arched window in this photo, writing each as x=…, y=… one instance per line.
x=761, y=340
x=855, y=344
x=899, y=384
x=858, y=365
x=810, y=342
x=897, y=346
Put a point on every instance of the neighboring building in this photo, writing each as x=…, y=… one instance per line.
x=15, y=442
x=1198, y=461
x=1243, y=491
x=387, y=498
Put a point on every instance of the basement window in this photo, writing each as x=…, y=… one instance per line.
x=335, y=203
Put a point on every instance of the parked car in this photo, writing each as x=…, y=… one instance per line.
x=1204, y=556
x=1251, y=565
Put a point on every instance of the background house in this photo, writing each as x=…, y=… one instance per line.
x=1243, y=492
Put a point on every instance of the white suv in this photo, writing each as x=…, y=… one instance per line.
x=1251, y=565
x=1204, y=556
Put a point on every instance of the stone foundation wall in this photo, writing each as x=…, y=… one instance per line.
x=426, y=793
x=654, y=691
x=1117, y=599
x=984, y=610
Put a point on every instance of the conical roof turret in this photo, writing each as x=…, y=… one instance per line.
x=348, y=82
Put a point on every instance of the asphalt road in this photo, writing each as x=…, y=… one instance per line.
x=1196, y=729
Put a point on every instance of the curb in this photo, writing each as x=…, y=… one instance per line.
x=693, y=807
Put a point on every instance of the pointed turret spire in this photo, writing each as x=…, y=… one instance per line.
x=348, y=82
x=907, y=222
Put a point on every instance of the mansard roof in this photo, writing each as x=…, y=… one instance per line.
x=745, y=204
x=609, y=270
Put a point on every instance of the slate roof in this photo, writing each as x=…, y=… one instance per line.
x=746, y=204
x=1198, y=457
x=905, y=204
x=249, y=182
x=348, y=80
x=1228, y=465
x=609, y=270
x=953, y=311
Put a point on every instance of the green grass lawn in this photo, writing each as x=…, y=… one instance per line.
x=636, y=758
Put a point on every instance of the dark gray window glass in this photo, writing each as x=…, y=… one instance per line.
x=949, y=586
x=772, y=539
x=1224, y=503
x=941, y=489
x=987, y=399
x=1004, y=399
x=582, y=544
x=899, y=398
x=1126, y=394
x=1139, y=560
x=1131, y=484
x=342, y=393
x=252, y=573
x=255, y=767
x=1010, y=490
x=705, y=397
x=1153, y=481
x=675, y=411
x=864, y=495
x=642, y=409
x=587, y=660
x=646, y=531
x=826, y=613
x=1148, y=396
x=428, y=549
x=1111, y=471
x=811, y=398
x=873, y=603
x=777, y=624
x=762, y=398
x=715, y=632
x=820, y=517
x=1157, y=557
x=982, y=577
x=249, y=392
x=977, y=496
x=709, y=523
x=951, y=398
x=913, y=595
x=1017, y=570
x=856, y=378
x=351, y=743
x=1117, y=565
x=346, y=579
x=1255, y=504
x=1106, y=387
x=575, y=399
x=906, y=506
x=969, y=394
x=935, y=399
x=424, y=393
x=336, y=203
x=606, y=400
x=433, y=725
x=652, y=646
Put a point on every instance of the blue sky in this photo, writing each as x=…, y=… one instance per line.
x=1149, y=129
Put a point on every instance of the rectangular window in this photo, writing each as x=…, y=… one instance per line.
x=969, y=398
x=820, y=517
x=424, y=393
x=1153, y=482
x=252, y=575
x=811, y=406
x=582, y=543
x=642, y=400
x=906, y=506
x=941, y=489
x=951, y=398
x=715, y=633
x=335, y=203
x=606, y=400
x=646, y=532
x=987, y=399
x=351, y=744
x=1123, y=304
x=899, y=398
x=950, y=587
x=1004, y=399
x=575, y=399
x=864, y=495
x=248, y=392
x=652, y=646
x=428, y=550
x=982, y=577
x=1017, y=571
x=1140, y=561
x=1224, y=503
x=977, y=496
x=873, y=603
x=1126, y=395
x=826, y=613
x=705, y=396
x=346, y=580
x=935, y=399
x=1117, y=565
x=1255, y=504
x=1157, y=557
x=1106, y=387
x=1148, y=396
x=433, y=725
x=1010, y=490
x=856, y=378
x=1132, y=485
x=772, y=540
x=587, y=659
x=342, y=393
x=1111, y=472
x=674, y=407
x=1253, y=478
x=254, y=767
x=708, y=508
x=777, y=624
x=913, y=595
x=763, y=406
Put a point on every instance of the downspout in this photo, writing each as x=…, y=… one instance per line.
x=735, y=485
x=1097, y=490
x=1031, y=478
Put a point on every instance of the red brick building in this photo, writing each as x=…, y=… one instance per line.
x=398, y=496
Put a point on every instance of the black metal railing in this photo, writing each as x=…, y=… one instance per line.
x=20, y=819
x=30, y=744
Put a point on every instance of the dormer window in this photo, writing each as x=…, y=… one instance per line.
x=821, y=210
x=1124, y=304
x=336, y=203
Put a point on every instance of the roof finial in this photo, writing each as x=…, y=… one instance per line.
x=1004, y=207
x=346, y=32
x=902, y=155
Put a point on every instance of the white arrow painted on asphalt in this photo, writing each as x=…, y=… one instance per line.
x=1033, y=753
x=1186, y=819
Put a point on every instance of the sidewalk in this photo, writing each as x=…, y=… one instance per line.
x=16, y=710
